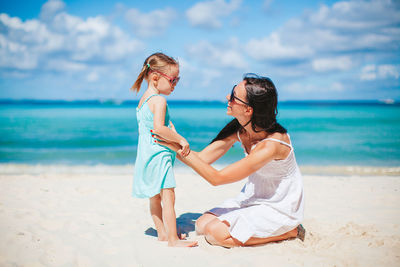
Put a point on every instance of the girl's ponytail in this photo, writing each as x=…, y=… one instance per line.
x=157, y=62
x=140, y=78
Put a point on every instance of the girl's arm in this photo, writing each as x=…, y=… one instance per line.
x=263, y=153
x=158, y=107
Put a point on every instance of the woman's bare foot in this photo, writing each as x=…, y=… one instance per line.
x=301, y=232
x=182, y=243
x=292, y=233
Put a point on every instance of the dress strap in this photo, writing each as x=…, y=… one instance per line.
x=241, y=143
x=279, y=141
x=147, y=99
x=238, y=135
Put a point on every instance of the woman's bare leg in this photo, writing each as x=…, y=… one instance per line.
x=258, y=241
x=156, y=215
x=217, y=233
x=169, y=219
x=203, y=221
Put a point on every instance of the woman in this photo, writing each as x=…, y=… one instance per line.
x=270, y=206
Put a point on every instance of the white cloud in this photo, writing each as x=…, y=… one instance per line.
x=208, y=14
x=64, y=43
x=331, y=64
x=200, y=74
x=336, y=86
x=387, y=70
x=227, y=55
x=357, y=15
x=296, y=87
x=152, y=23
x=51, y=8
x=346, y=27
x=271, y=47
x=64, y=65
x=14, y=53
x=384, y=71
x=93, y=76
x=267, y=4
x=368, y=73
x=305, y=89
x=209, y=76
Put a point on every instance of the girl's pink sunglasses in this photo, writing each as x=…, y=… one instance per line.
x=172, y=81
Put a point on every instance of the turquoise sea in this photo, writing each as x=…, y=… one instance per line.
x=95, y=132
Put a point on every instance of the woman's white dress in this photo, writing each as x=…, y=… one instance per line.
x=271, y=203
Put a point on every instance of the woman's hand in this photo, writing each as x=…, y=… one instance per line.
x=185, y=149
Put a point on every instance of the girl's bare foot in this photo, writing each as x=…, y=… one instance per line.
x=182, y=243
x=162, y=238
x=165, y=238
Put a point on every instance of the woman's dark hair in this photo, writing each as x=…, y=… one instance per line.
x=263, y=98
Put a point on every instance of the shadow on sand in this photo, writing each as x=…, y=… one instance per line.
x=185, y=224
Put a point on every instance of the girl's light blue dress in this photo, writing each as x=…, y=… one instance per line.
x=154, y=163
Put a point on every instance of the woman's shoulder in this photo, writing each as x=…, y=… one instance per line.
x=273, y=146
x=279, y=136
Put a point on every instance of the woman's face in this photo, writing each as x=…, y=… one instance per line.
x=236, y=107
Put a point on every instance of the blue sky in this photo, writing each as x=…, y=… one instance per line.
x=312, y=50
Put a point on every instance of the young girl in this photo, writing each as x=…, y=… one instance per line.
x=154, y=177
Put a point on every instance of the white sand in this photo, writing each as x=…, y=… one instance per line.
x=85, y=216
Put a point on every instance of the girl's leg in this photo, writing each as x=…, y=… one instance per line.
x=203, y=221
x=156, y=215
x=169, y=219
x=217, y=233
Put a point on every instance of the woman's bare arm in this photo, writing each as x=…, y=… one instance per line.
x=217, y=149
x=263, y=153
x=209, y=154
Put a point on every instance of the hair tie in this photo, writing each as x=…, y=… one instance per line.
x=148, y=65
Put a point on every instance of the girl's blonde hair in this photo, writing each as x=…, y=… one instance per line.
x=156, y=61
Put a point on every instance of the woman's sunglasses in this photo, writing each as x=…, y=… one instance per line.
x=172, y=81
x=233, y=98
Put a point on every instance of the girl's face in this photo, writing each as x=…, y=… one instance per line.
x=167, y=80
x=236, y=107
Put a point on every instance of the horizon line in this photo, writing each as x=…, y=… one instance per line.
x=111, y=101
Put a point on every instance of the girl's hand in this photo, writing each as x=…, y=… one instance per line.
x=185, y=149
x=173, y=146
x=184, y=145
